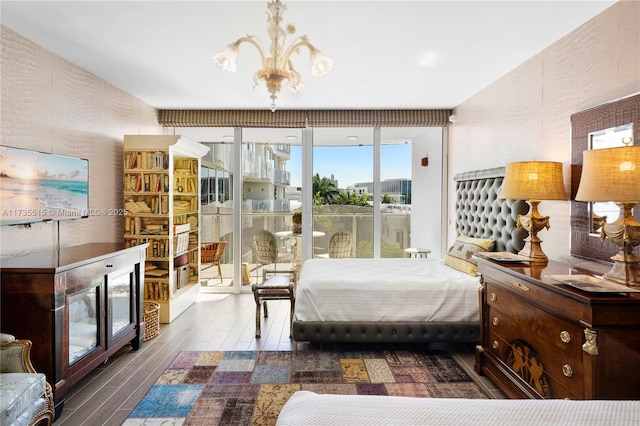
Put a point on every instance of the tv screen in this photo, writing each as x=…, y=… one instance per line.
x=36, y=186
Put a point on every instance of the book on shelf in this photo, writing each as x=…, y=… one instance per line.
x=181, y=243
x=178, y=229
x=144, y=160
x=158, y=273
x=132, y=206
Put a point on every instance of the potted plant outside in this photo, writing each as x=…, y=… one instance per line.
x=296, y=222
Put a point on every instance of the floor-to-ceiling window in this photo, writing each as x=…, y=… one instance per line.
x=395, y=192
x=342, y=185
x=269, y=200
x=360, y=180
x=217, y=205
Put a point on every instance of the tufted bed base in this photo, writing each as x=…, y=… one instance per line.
x=479, y=213
x=401, y=332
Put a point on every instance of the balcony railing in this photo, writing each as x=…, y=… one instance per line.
x=259, y=214
x=282, y=177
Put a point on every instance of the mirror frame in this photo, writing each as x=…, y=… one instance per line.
x=612, y=114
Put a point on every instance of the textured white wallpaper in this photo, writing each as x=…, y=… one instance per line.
x=49, y=104
x=526, y=114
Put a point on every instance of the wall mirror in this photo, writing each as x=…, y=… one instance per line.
x=607, y=212
x=600, y=127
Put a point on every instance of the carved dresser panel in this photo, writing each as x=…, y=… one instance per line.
x=544, y=339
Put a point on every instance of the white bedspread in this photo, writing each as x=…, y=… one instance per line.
x=311, y=409
x=422, y=290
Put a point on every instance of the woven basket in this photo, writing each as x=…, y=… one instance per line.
x=151, y=320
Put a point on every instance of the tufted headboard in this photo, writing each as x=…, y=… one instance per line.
x=481, y=214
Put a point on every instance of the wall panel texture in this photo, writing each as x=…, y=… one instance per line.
x=49, y=104
x=526, y=115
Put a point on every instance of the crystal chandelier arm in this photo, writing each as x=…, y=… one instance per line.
x=321, y=64
x=227, y=59
x=295, y=45
x=253, y=40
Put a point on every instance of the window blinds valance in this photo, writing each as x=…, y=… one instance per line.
x=305, y=118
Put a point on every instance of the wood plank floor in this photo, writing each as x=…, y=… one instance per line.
x=216, y=322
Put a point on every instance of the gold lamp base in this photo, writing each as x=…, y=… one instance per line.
x=624, y=233
x=533, y=222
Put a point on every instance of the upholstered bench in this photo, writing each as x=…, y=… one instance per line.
x=25, y=396
x=276, y=287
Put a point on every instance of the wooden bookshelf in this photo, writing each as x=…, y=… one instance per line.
x=162, y=200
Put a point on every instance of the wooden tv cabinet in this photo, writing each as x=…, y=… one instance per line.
x=78, y=305
x=544, y=339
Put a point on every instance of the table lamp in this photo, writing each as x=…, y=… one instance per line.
x=533, y=181
x=613, y=174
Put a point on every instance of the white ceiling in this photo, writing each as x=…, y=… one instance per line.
x=161, y=51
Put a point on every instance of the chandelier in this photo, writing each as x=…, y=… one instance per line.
x=276, y=68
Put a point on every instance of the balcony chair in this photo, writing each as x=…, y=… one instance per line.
x=25, y=396
x=212, y=253
x=340, y=245
x=267, y=253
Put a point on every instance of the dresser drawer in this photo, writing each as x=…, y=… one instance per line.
x=537, y=294
x=550, y=375
x=92, y=274
x=541, y=348
x=510, y=312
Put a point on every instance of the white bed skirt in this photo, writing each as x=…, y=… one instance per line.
x=311, y=409
x=385, y=290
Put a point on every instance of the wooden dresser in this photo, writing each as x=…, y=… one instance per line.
x=78, y=305
x=543, y=339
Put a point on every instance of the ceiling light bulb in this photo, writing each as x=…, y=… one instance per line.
x=227, y=59
x=321, y=64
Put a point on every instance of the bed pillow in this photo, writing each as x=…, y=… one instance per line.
x=460, y=255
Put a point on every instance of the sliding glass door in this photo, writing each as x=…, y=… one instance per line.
x=358, y=180
x=395, y=192
x=342, y=188
x=268, y=201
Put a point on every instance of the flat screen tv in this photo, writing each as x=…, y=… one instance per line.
x=37, y=186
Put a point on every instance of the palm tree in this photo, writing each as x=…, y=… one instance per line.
x=324, y=190
x=351, y=199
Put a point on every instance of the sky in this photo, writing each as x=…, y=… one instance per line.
x=22, y=163
x=352, y=164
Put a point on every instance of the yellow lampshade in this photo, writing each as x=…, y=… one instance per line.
x=534, y=180
x=611, y=174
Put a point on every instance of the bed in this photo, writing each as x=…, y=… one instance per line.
x=409, y=300
x=309, y=408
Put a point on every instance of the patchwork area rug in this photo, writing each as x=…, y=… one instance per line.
x=250, y=387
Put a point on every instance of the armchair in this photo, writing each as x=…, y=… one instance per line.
x=25, y=396
x=212, y=253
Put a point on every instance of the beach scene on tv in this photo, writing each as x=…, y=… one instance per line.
x=39, y=186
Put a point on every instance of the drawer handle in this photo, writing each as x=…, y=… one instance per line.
x=519, y=285
x=565, y=336
x=495, y=321
x=495, y=345
x=567, y=371
x=109, y=265
x=493, y=297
